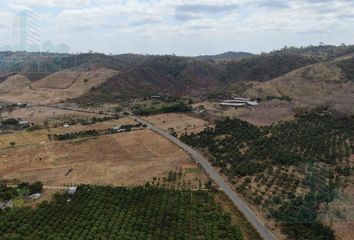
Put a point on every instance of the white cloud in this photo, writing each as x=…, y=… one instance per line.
x=165, y=21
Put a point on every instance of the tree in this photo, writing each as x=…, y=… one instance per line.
x=36, y=187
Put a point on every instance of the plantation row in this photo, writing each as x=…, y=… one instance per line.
x=272, y=166
x=121, y=213
x=75, y=118
x=248, y=149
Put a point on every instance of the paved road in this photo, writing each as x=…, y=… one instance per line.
x=214, y=175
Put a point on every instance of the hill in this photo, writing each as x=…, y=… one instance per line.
x=226, y=56
x=303, y=69
x=54, y=88
x=324, y=84
x=14, y=83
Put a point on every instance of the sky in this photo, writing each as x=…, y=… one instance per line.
x=185, y=27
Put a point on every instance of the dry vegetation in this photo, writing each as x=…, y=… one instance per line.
x=55, y=88
x=38, y=114
x=179, y=122
x=315, y=85
x=125, y=158
x=41, y=136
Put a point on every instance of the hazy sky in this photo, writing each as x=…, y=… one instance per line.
x=185, y=27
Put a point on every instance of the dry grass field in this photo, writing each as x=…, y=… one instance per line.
x=55, y=88
x=119, y=159
x=266, y=113
x=41, y=136
x=37, y=114
x=315, y=85
x=180, y=122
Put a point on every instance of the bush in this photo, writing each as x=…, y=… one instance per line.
x=36, y=187
x=10, y=121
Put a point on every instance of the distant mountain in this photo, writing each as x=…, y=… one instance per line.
x=227, y=56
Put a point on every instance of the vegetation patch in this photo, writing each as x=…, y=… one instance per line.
x=180, y=107
x=289, y=169
x=347, y=67
x=122, y=213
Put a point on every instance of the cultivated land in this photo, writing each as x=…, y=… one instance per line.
x=266, y=169
x=119, y=159
x=179, y=122
x=123, y=213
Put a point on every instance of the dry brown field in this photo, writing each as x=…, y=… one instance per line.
x=55, y=88
x=180, y=122
x=38, y=114
x=266, y=113
x=41, y=136
x=120, y=159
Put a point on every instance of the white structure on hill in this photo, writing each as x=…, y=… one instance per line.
x=239, y=102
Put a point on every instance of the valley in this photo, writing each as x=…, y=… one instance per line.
x=113, y=125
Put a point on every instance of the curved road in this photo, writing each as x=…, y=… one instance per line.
x=214, y=175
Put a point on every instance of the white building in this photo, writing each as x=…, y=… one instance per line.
x=239, y=102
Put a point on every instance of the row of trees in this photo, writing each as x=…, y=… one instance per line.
x=109, y=213
x=165, y=108
x=317, y=141
x=91, y=133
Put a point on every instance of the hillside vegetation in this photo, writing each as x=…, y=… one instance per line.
x=285, y=73
x=324, y=84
